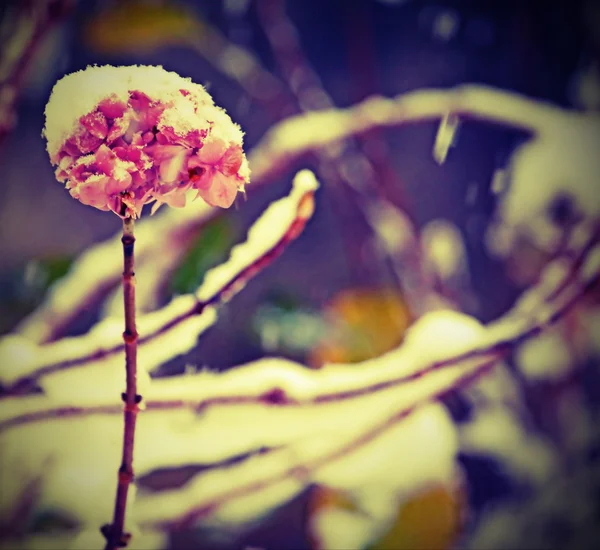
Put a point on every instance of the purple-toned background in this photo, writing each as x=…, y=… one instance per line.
x=358, y=48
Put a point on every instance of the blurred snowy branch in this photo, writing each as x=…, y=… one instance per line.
x=163, y=239
x=22, y=32
x=171, y=330
x=289, y=140
x=247, y=470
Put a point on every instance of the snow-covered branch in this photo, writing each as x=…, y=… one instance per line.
x=246, y=470
x=296, y=136
x=171, y=330
x=163, y=239
x=275, y=382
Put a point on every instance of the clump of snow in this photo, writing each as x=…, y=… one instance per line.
x=545, y=357
x=79, y=93
x=440, y=334
x=443, y=248
x=559, y=164
x=497, y=432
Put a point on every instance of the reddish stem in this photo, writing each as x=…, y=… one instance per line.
x=115, y=538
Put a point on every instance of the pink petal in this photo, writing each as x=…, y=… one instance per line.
x=134, y=154
x=105, y=159
x=112, y=107
x=155, y=207
x=95, y=123
x=194, y=139
x=175, y=199
x=119, y=182
x=114, y=203
x=87, y=143
x=139, y=100
x=137, y=138
x=171, y=168
x=70, y=147
x=199, y=174
x=152, y=116
x=92, y=193
x=212, y=151
x=148, y=137
x=221, y=192
x=231, y=161
x=163, y=152
x=119, y=127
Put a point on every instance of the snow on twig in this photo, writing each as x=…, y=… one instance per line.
x=283, y=383
x=173, y=329
x=295, y=136
x=275, y=427
x=161, y=240
x=305, y=435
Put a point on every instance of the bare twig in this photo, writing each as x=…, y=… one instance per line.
x=115, y=537
x=346, y=167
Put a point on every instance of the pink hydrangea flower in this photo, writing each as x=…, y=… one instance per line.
x=121, y=137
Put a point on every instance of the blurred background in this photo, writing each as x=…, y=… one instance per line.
x=329, y=297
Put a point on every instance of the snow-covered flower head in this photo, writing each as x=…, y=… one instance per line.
x=121, y=137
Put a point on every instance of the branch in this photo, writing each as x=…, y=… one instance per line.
x=281, y=426
x=286, y=142
x=284, y=474
x=163, y=239
x=347, y=164
x=115, y=537
x=294, y=434
x=173, y=329
x=282, y=383
x=242, y=66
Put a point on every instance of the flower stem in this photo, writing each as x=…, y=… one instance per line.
x=114, y=533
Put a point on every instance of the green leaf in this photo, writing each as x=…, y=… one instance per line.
x=27, y=285
x=210, y=249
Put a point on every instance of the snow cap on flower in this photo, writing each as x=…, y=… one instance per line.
x=121, y=137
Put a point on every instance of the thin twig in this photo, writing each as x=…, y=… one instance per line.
x=497, y=348
x=115, y=537
x=303, y=473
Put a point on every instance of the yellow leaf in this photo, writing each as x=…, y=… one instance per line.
x=430, y=520
x=366, y=323
x=138, y=27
